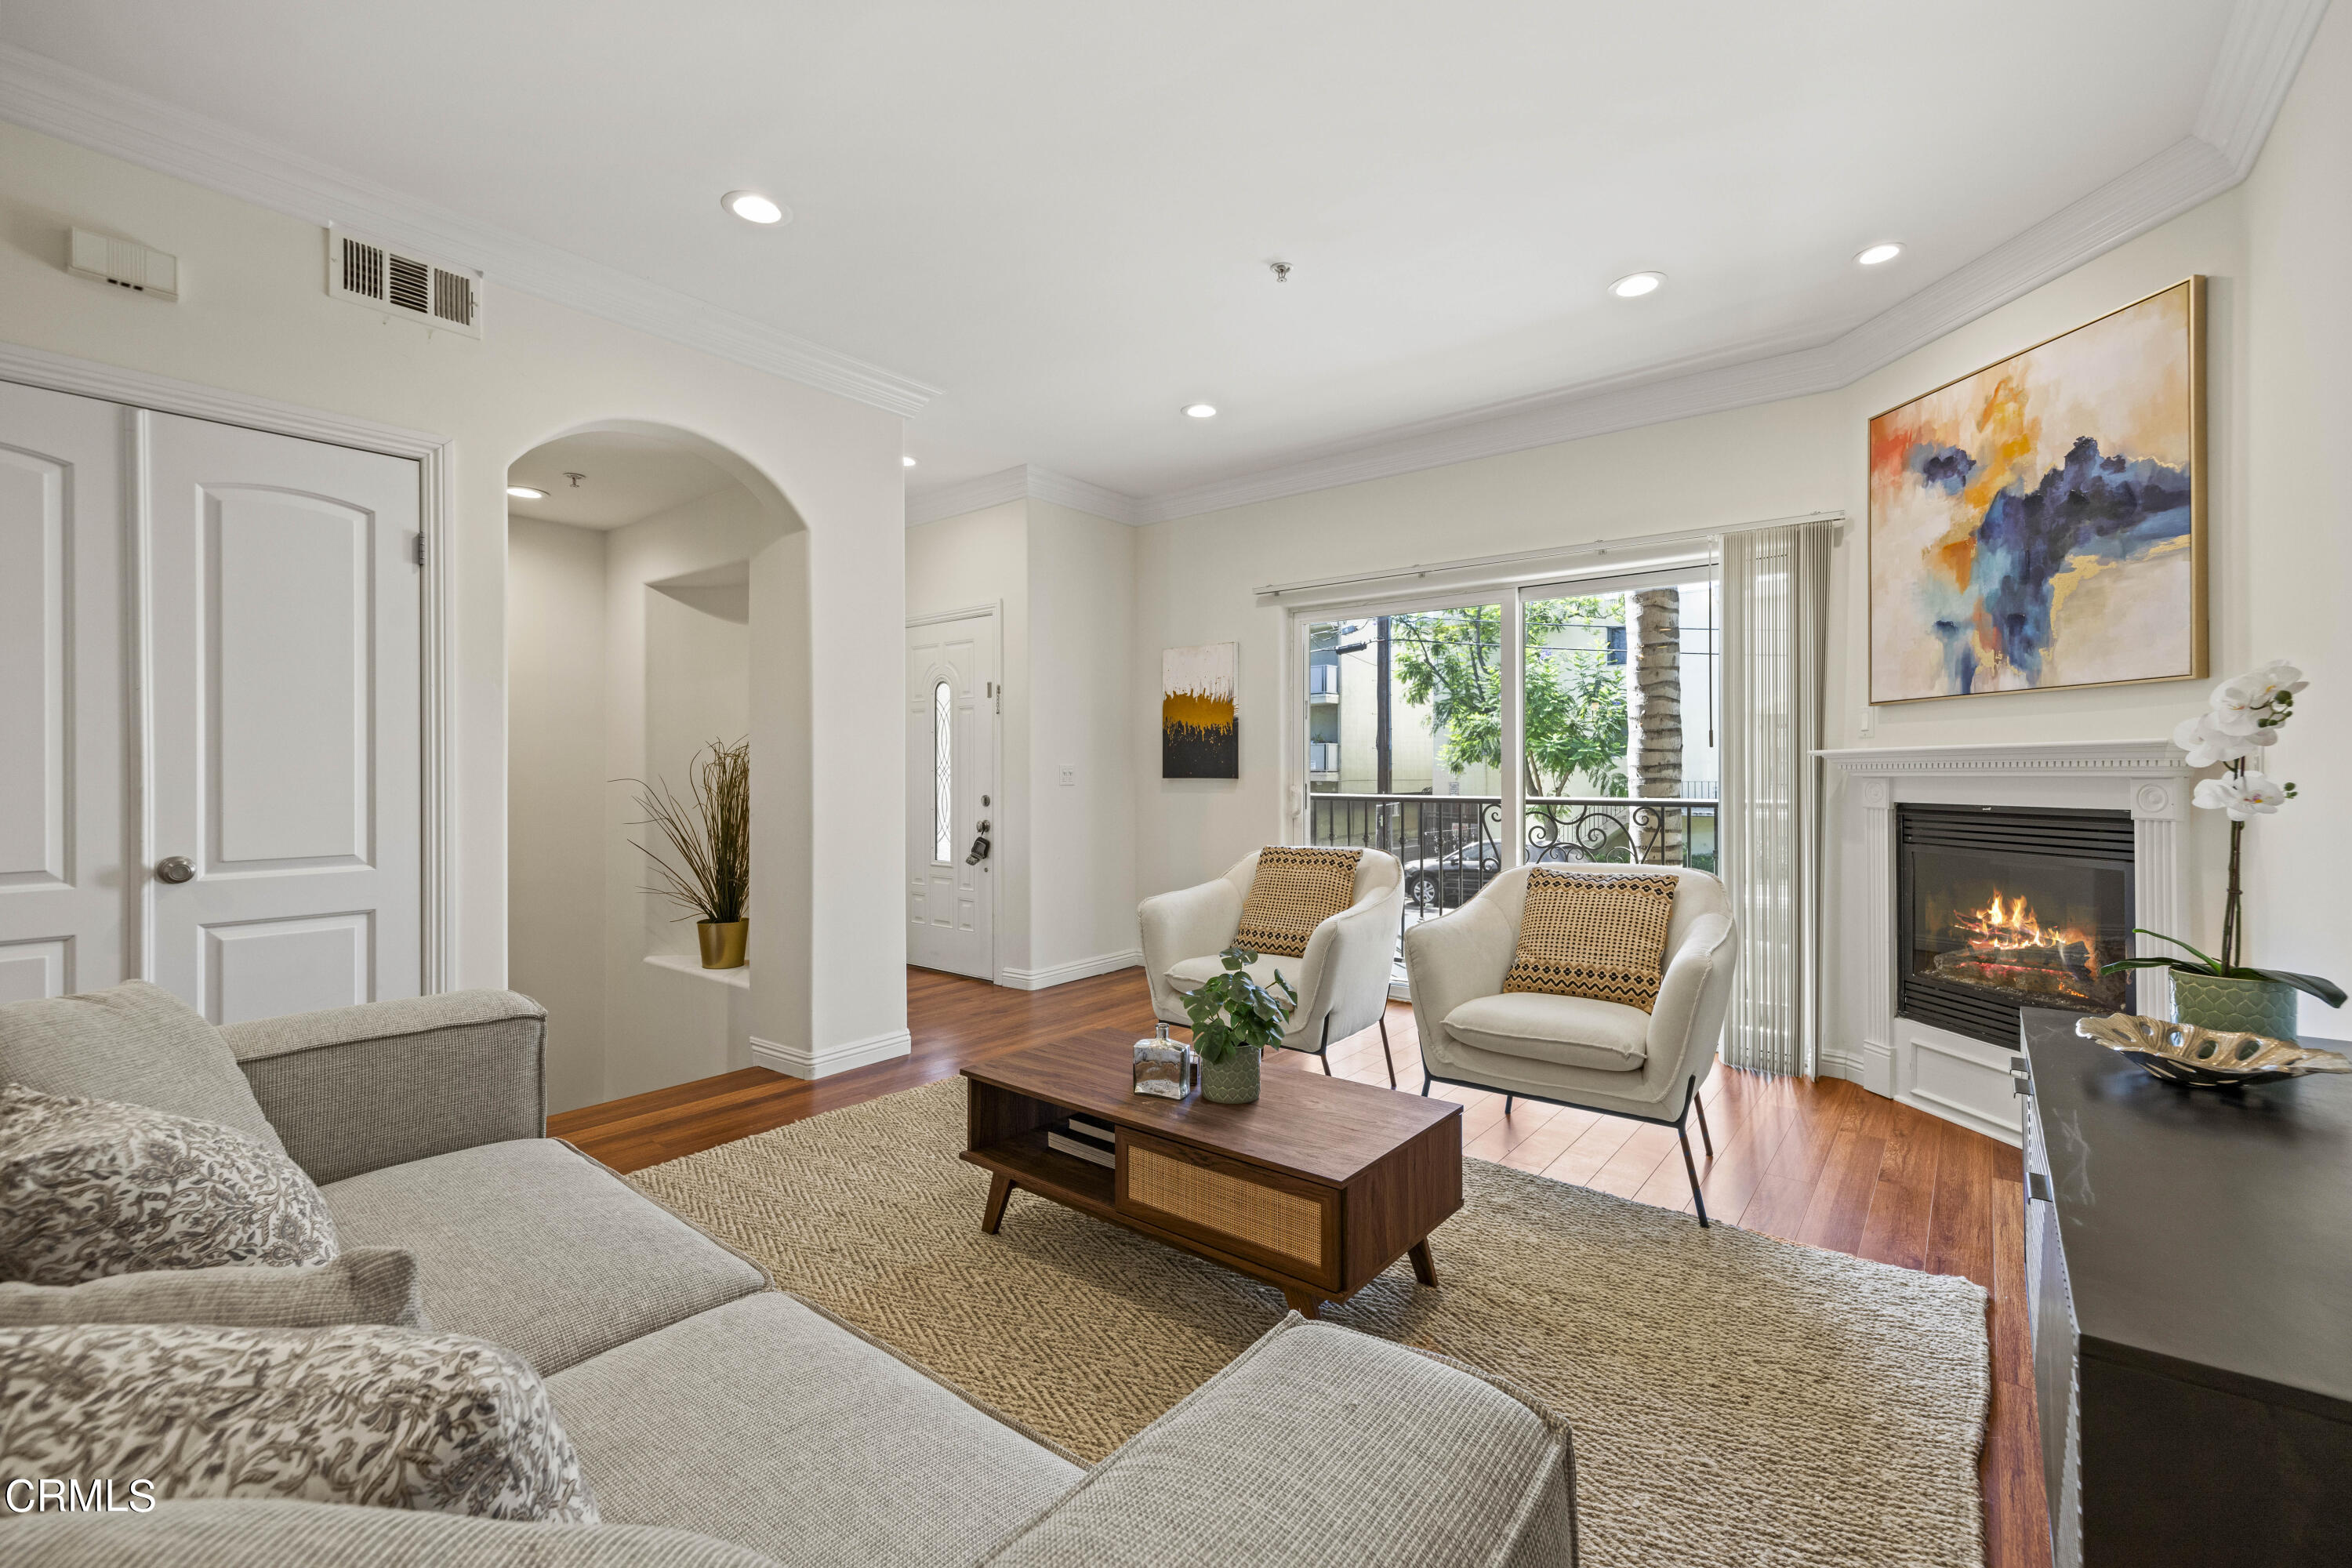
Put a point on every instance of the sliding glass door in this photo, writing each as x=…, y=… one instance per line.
x=1618, y=754
x=1605, y=710
x=1403, y=745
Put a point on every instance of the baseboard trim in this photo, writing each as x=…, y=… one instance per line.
x=826, y=1060
x=1063, y=974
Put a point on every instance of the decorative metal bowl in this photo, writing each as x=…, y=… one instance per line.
x=2206, y=1059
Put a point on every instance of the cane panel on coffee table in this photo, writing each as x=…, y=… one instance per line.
x=1315, y=1188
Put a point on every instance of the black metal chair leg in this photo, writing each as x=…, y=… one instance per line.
x=1691, y=1167
x=1700, y=1106
x=1325, y=1057
x=1507, y=1103
x=1425, y=1081
x=1384, y=1049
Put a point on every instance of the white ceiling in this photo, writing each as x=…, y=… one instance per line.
x=1060, y=213
x=625, y=479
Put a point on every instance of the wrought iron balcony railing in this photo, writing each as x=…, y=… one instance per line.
x=1450, y=844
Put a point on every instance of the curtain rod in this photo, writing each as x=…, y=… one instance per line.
x=1563, y=553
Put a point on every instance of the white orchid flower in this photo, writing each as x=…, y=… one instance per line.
x=2244, y=798
x=2240, y=703
x=2207, y=744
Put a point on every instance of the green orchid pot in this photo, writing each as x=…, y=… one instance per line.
x=2266, y=1007
x=1233, y=1081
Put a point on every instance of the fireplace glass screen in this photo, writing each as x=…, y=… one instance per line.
x=2007, y=908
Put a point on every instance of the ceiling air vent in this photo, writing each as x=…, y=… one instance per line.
x=399, y=283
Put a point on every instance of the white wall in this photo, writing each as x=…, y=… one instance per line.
x=555, y=795
x=674, y=677
x=1065, y=853
x=2279, y=397
x=1082, y=709
x=2296, y=336
x=254, y=317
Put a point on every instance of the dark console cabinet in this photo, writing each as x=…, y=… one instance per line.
x=2188, y=1265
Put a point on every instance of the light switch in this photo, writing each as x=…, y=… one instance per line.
x=1069, y=776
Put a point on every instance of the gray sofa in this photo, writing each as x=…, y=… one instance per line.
x=723, y=1422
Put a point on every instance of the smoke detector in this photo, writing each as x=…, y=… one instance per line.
x=396, y=281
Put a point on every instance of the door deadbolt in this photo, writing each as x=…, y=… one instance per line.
x=175, y=869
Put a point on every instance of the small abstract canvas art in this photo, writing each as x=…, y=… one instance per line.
x=2040, y=524
x=1197, y=735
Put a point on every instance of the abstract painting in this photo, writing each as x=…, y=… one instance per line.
x=2040, y=523
x=1197, y=737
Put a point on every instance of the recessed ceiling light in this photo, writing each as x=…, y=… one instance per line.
x=1201, y=410
x=906, y=462
x=1635, y=285
x=526, y=493
x=1878, y=253
x=753, y=208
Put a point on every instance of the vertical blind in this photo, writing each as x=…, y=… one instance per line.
x=1774, y=593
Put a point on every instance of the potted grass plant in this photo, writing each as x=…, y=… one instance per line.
x=1234, y=1022
x=708, y=868
x=2242, y=720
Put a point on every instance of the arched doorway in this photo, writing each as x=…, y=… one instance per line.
x=656, y=603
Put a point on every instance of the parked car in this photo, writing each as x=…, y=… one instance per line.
x=1450, y=881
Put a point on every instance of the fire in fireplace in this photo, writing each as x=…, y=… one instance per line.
x=2003, y=908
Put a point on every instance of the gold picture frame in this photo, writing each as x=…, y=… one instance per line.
x=1981, y=490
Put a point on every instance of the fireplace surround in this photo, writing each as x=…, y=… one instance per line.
x=1870, y=1033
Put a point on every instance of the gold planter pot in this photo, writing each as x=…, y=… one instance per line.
x=722, y=943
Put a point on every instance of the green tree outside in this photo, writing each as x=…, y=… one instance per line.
x=1449, y=661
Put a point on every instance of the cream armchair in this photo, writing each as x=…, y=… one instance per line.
x=1572, y=1050
x=1342, y=979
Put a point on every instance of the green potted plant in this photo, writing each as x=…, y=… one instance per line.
x=1234, y=1021
x=2242, y=718
x=711, y=837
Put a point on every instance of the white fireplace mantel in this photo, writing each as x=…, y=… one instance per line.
x=1948, y=1074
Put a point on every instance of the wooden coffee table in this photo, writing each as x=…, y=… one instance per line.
x=1314, y=1189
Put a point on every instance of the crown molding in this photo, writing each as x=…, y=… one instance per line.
x=2253, y=71
x=971, y=495
x=55, y=100
x=1027, y=482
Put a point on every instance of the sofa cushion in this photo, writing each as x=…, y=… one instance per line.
x=91, y=1187
x=1595, y=933
x=1573, y=1031
x=136, y=1043
x=1322, y=1447
x=254, y=1534
x=1295, y=890
x=535, y=1247
x=770, y=1424
x=366, y=1415
x=364, y=1285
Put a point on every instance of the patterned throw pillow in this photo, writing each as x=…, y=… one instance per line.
x=385, y=1416
x=90, y=1188
x=1295, y=891
x=364, y=1285
x=1586, y=934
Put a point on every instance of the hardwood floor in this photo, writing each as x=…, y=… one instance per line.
x=1821, y=1162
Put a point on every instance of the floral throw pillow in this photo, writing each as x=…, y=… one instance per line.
x=383, y=1416
x=93, y=1187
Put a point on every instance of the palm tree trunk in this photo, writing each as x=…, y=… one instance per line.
x=1654, y=721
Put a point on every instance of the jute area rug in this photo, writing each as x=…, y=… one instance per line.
x=1734, y=1399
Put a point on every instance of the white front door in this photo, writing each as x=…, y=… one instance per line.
x=953, y=806
x=283, y=817
x=67, y=902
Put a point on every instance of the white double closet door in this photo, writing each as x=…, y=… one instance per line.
x=210, y=752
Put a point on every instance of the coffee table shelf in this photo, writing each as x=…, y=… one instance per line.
x=1315, y=1188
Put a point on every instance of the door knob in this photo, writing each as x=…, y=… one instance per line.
x=175, y=869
